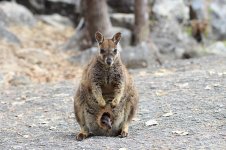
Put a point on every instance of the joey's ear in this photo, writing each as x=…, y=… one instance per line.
x=99, y=37
x=116, y=38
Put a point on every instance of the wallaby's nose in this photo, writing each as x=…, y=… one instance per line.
x=109, y=61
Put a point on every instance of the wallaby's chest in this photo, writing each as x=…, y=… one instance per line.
x=107, y=92
x=107, y=89
x=107, y=83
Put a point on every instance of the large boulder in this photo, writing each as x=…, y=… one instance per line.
x=8, y=36
x=122, y=6
x=174, y=9
x=3, y=19
x=17, y=14
x=218, y=48
x=172, y=41
x=122, y=20
x=83, y=57
x=56, y=20
x=218, y=18
x=199, y=9
x=79, y=42
x=139, y=56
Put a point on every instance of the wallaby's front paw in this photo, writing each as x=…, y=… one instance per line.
x=114, y=103
x=123, y=134
x=81, y=136
x=102, y=103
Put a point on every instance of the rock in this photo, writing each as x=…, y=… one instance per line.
x=64, y=1
x=67, y=8
x=218, y=18
x=122, y=6
x=35, y=6
x=33, y=55
x=19, y=80
x=122, y=20
x=8, y=36
x=3, y=19
x=151, y=122
x=218, y=48
x=139, y=56
x=17, y=14
x=84, y=56
x=199, y=7
x=80, y=42
x=44, y=6
x=133, y=57
x=175, y=9
x=171, y=41
x=56, y=20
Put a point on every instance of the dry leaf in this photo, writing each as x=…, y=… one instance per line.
x=52, y=128
x=220, y=74
x=182, y=133
x=167, y=114
x=182, y=85
x=211, y=72
x=136, y=119
x=162, y=72
x=18, y=103
x=216, y=85
x=19, y=116
x=26, y=136
x=208, y=87
x=160, y=93
x=151, y=122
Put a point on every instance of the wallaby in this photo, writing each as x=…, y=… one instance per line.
x=106, y=99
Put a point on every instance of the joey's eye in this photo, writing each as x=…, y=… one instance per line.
x=102, y=51
x=115, y=51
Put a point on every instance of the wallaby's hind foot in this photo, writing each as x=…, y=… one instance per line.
x=83, y=134
x=124, y=132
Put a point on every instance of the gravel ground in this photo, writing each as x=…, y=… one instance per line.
x=187, y=99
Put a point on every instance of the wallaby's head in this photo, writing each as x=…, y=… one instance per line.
x=108, y=51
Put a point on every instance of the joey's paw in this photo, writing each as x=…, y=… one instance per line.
x=81, y=136
x=114, y=103
x=123, y=134
x=102, y=103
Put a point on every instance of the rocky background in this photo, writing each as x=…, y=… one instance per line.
x=37, y=36
x=182, y=87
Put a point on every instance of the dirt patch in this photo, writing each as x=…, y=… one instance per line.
x=39, y=57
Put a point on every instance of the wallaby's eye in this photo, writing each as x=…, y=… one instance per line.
x=115, y=51
x=102, y=51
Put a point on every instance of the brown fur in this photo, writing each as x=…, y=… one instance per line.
x=105, y=88
x=198, y=29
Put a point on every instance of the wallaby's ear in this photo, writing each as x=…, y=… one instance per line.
x=116, y=38
x=99, y=37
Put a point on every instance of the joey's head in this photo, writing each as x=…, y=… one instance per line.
x=108, y=51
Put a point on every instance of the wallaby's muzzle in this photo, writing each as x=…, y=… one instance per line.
x=109, y=61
